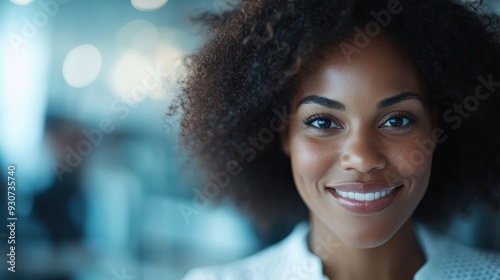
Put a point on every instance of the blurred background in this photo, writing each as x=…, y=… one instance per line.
x=100, y=192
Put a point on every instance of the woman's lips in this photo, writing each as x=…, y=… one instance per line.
x=364, y=197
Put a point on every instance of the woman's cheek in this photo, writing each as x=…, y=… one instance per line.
x=413, y=159
x=311, y=159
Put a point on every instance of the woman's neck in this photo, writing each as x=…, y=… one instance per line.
x=399, y=258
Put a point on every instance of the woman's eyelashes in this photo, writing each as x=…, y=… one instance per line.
x=321, y=122
x=399, y=121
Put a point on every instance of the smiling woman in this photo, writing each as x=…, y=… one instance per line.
x=367, y=157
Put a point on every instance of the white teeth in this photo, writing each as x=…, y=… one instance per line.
x=364, y=196
x=359, y=196
x=369, y=196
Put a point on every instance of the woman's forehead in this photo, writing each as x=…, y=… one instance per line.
x=382, y=67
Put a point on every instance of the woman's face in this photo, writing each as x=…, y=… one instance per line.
x=359, y=141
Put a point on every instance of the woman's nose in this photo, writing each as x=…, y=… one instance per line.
x=362, y=152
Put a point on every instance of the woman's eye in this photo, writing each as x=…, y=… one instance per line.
x=321, y=123
x=399, y=121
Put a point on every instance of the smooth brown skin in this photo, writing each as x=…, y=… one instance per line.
x=364, y=147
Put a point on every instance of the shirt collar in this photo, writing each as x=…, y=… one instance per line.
x=303, y=264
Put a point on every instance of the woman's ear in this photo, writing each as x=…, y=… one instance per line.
x=285, y=141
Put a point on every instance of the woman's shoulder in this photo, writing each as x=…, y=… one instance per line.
x=448, y=259
x=286, y=259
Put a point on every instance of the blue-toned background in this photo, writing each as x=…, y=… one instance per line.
x=84, y=87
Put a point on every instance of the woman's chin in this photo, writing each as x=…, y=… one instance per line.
x=367, y=239
x=366, y=243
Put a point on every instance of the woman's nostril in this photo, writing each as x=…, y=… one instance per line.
x=363, y=162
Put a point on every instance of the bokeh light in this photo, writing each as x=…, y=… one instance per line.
x=128, y=72
x=82, y=65
x=137, y=34
x=148, y=5
x=21, y=2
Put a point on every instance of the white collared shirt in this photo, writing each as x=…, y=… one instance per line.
x=290, y=259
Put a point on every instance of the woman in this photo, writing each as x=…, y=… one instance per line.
x=380, y=117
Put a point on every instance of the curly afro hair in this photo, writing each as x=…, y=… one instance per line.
x=245, y=74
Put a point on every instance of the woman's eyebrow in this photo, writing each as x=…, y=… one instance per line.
x=333, y=104
x=398, y=98
x=323, y=101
